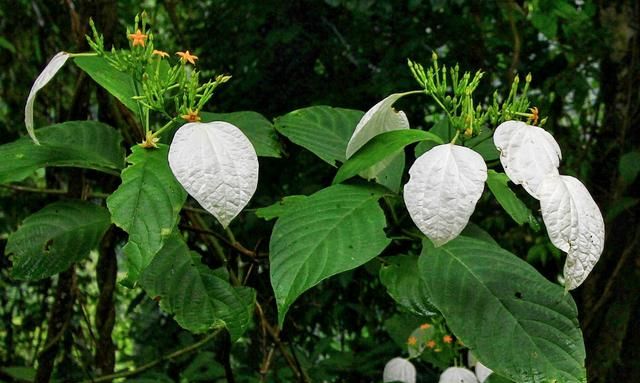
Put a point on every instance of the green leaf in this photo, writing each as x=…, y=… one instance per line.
x=323, y=130
x=119, y=84
x=515, y=321
x=483, y=144
x=516, y=209
x=200, y=298
x=334, y=230
x=146, y=205
x=82, y=144
x=629, y=166
x=52, y=239
x=441, y=129
x=255, y=126
x=493, y=378
x=405, y=286
x=382, y=146
x=279, y=208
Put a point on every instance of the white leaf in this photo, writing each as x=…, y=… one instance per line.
x=382, y=117
x=399, y=370
x=482, y=372
x=47, y=74
x=445, y=184
x=574, y=224
x=528, y=154
x=457, y=375
x=217, y=165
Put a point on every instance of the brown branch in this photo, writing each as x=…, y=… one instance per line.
x=517, y=43
x=145, y=367
x=106, y=273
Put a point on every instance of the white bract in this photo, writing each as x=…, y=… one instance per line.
x=574, y=224
x=217, y=165
x=47, y=74
x=445, y=184
x=528, y=154
x=457, y=375
x=382, y=117
x=482, y=372
x=399, y=370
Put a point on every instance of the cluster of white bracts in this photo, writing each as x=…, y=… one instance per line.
x=402, y=370
x=217, y=165
x=530, y=157
x=214, y=162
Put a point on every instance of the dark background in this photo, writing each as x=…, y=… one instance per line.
x=285, y=55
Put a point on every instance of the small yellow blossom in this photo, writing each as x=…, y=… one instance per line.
x=447, y=339
x=187, y=57
x=138, y=38
x=162, y=54
x=425, y=326
x=431, y=344
x=412, y=341
x=191, y=116
x=150, y=141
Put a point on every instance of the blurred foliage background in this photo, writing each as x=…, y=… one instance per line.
x=284, y=55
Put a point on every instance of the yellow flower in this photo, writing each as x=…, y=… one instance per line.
x=150, y=141
x=191, y=116
x=187, y=57
x=162, y=54
x=138, y=38
x=431, y=344
x=425, y=326
x=412, y=341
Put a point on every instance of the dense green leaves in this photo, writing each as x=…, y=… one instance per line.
x=52, y=239
x=200, y=298
x=146, y=205
x=629, y=166
x=496, y=304
x=83, y=144
x=498, y=184
x=323, y=130
x=380, y=147
x=119, y=84
x=255, y=126
x=405, y=285
x=334, y=230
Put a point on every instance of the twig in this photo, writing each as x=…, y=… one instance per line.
x=517, y=44
x=50, y=191
x=175, y=354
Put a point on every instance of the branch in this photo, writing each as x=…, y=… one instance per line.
x=175, y=354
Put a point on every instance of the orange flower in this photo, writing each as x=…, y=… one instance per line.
x=191, y=116
x=138, y=38
x=431, y=344
x=425, y=326
x=187, y=57
x=162, y=54
x=412, y=341
x=447, y=339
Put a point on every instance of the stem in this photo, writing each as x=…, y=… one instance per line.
x=165, y=127
x=453, y=141
x=186, y=350
x=84, y=54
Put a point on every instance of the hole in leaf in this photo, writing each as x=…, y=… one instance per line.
x=48, y=245
x=518, y=295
